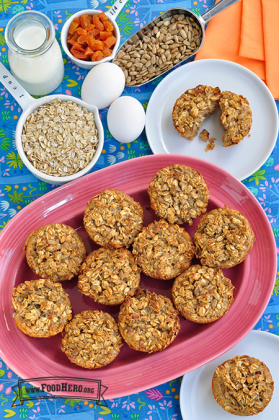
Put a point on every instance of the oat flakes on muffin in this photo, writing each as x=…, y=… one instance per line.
x=192, y=107
x=91, y=339
x=179, y=194
x=109, y=275
x=55, y=251
x=163, y=250
x=202, y=294
x=113, y=219
x=223, y=238
x=236, y=117
x=42, y=308
x=243, y=386
x=148, y=322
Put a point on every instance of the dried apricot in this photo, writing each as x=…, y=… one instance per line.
x=97, y=56
x=73, y=27
x=91, y=37
x=110, y=41
x=85, y=21
x=108, y=26
x=105, y=35
x=96, y=21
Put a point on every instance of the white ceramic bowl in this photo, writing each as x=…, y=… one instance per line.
x=58, y=180
x=81, y=63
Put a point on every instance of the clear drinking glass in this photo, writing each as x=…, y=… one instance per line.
x=35, y=57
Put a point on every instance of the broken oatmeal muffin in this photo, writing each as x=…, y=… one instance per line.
x=91, y=340
x=113, y=219
x=178, y=193
x=163, y=250
x=204, y=135
x=109, y=275
x=243, y=386
x=202, y=294
x=192, y=107
x=148, y=322
x=42, y=308
x=55, y=251
x=223, y=238
x=236, y=117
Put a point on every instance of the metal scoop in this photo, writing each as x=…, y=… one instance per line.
x=138, y=38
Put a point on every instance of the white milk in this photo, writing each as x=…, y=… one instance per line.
x=30, y=37
x=38, y=74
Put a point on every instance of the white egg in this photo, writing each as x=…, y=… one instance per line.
x=102, y=85
x=126, y=119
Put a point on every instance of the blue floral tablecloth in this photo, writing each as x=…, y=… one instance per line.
x=18, y=188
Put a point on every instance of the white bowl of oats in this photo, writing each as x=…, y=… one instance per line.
x=59, y=138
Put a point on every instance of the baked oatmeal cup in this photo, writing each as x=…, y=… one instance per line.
x=236, y=117
x=202, y=294
x=91, y=339
x=55, y=251
x=148, y=322
x=42, y=308
x=243, y=386
x=179, y=194
x=192, y=107
x=223, y=238
x=113, y=219
x=109, y=275
x=163, y=250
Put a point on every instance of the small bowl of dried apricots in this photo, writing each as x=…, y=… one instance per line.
x=91, y=37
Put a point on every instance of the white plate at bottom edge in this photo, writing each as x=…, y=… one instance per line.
x=196, y=398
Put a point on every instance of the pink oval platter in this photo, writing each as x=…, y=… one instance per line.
x=195, y=344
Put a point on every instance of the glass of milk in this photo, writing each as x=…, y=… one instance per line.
x=34, y=54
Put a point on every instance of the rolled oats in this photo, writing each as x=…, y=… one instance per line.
x=60, y=138
x=163, y=250
x=148, y=322
x=55, y=251
x=236, y=118
x=202, y=294
x=243, y=386
x=178, y=194
x=192, y=107
x=42, y=308
x=223, y=238
x=113, y=219
x=91, y=340
x=109, y=275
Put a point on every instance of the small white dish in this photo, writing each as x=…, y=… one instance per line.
x=196, y=398
x=240, y=160
x=112, y=14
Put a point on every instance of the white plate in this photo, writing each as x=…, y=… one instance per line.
x=196, y=398
x=240, y=160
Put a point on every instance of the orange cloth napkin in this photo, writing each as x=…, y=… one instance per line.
x=248, y=34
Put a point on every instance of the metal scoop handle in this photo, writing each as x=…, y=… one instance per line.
x=217, y=8
x=16, y=90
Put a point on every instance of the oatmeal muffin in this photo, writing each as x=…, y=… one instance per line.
x=55, y=251
x=243, y=386
x=42, y=308
x=236, y=118
x=202, y=294
x=113, y=219
x=109, y=275
x=178, y=194
x=192, y=107
x=163, y=251
x=148, y=322
x=91, y=340
x=223, y=238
